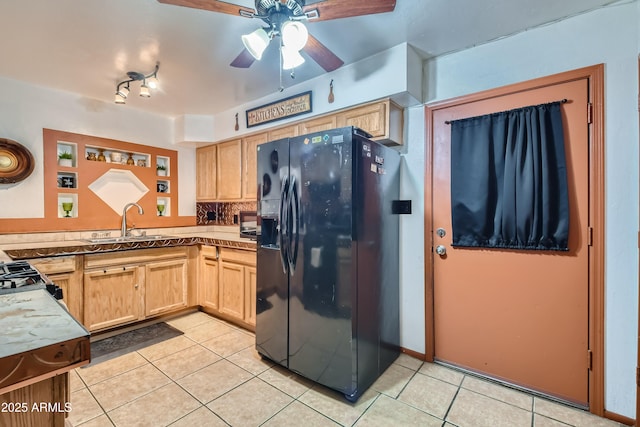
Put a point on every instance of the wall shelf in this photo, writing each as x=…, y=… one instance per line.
x=99, y=190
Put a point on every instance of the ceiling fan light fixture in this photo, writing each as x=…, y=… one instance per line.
x=294, y=34
x=291, y=58
x=256, y=42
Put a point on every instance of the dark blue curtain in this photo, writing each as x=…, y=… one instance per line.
x=509, y=180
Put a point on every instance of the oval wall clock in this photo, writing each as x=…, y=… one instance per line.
x=16, y=162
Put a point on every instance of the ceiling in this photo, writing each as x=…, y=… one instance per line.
x=87, y=46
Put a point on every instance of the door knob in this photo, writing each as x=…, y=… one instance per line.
x=441, y=250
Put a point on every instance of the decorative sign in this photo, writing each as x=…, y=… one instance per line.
x=285, y=108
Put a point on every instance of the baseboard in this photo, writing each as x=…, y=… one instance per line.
x=412, y=353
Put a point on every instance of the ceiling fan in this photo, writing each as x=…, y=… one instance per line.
x=281, y=17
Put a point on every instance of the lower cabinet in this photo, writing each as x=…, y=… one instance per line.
x=128, y=286
x=165, y=286
x=65, y=272
x=228, y=284
x=112, y=297
x=208, y=278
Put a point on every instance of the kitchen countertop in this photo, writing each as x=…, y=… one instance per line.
x=40, y=339
x=219, y=237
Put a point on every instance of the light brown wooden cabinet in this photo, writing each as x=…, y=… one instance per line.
x=165, y=286
x=229, y=170
x=65, y=272
x=206, y=169
x=112, y=297
x=250, y=280
x=318, y=125
x=283, y=132
x=124, y=287
x=382, y=119
x=232, y=294
x=234, y=171
x=208, y=292
x=249, y=165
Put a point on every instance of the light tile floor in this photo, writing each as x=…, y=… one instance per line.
x=212, y=376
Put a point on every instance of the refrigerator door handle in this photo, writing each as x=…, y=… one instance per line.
x=294, y=233
x=283, y=232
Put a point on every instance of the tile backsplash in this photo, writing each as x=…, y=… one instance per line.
x=221, y=213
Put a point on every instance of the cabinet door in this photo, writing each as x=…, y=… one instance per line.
x=250, y=295
x=111, y=297
x=232, y=290
x=285, y=132
x=206, y=177
x=319, y=124
x=230, y=170
x=370, y=118
x=165, y=286
x=249, y=166
x=208, y=290
x=64, y=282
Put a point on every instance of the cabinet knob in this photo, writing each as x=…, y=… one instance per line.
x=136, y=286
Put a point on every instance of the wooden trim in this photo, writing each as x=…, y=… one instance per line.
x=412, y=353
x=619, y=418
x=595, y=76
x=638, y=351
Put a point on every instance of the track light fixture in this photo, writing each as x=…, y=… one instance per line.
x=149, y=81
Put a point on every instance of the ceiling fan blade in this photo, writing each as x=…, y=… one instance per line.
x=244, y=60
x=211, y=5
x=322, y=55
x=335, y=9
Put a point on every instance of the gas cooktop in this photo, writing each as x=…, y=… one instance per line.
x=19, y=276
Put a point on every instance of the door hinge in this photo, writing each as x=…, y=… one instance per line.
x=589, y=113
x=590, y=360
x=590, y=236
x=638, y=376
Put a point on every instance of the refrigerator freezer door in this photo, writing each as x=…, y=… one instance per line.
x=272, y=289
x=320, y=308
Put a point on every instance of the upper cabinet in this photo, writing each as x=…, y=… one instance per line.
x=206, y=168
x=283, y=132
x=226, y=171
x=382, y=119
x=249, y=165
x=319, y=124
x=229, y=170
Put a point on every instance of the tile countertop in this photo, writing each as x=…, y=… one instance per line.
x=55, y=244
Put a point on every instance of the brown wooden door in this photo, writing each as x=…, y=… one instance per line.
x=517, y=316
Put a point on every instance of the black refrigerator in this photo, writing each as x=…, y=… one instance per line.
x=327, y=260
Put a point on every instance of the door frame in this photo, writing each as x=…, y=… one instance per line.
x=595, y=77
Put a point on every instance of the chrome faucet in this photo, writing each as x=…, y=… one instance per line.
x=123, y=228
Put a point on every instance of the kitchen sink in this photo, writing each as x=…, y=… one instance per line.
x=122, y=239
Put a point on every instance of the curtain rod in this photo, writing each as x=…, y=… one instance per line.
x=562, y=101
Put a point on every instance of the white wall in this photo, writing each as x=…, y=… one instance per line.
x=610, y=36
x=26, y=109
x=395, y=71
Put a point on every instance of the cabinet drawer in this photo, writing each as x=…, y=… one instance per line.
x=135, y=257
x=54, y=265
x=209, y=251
x=238, y=256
